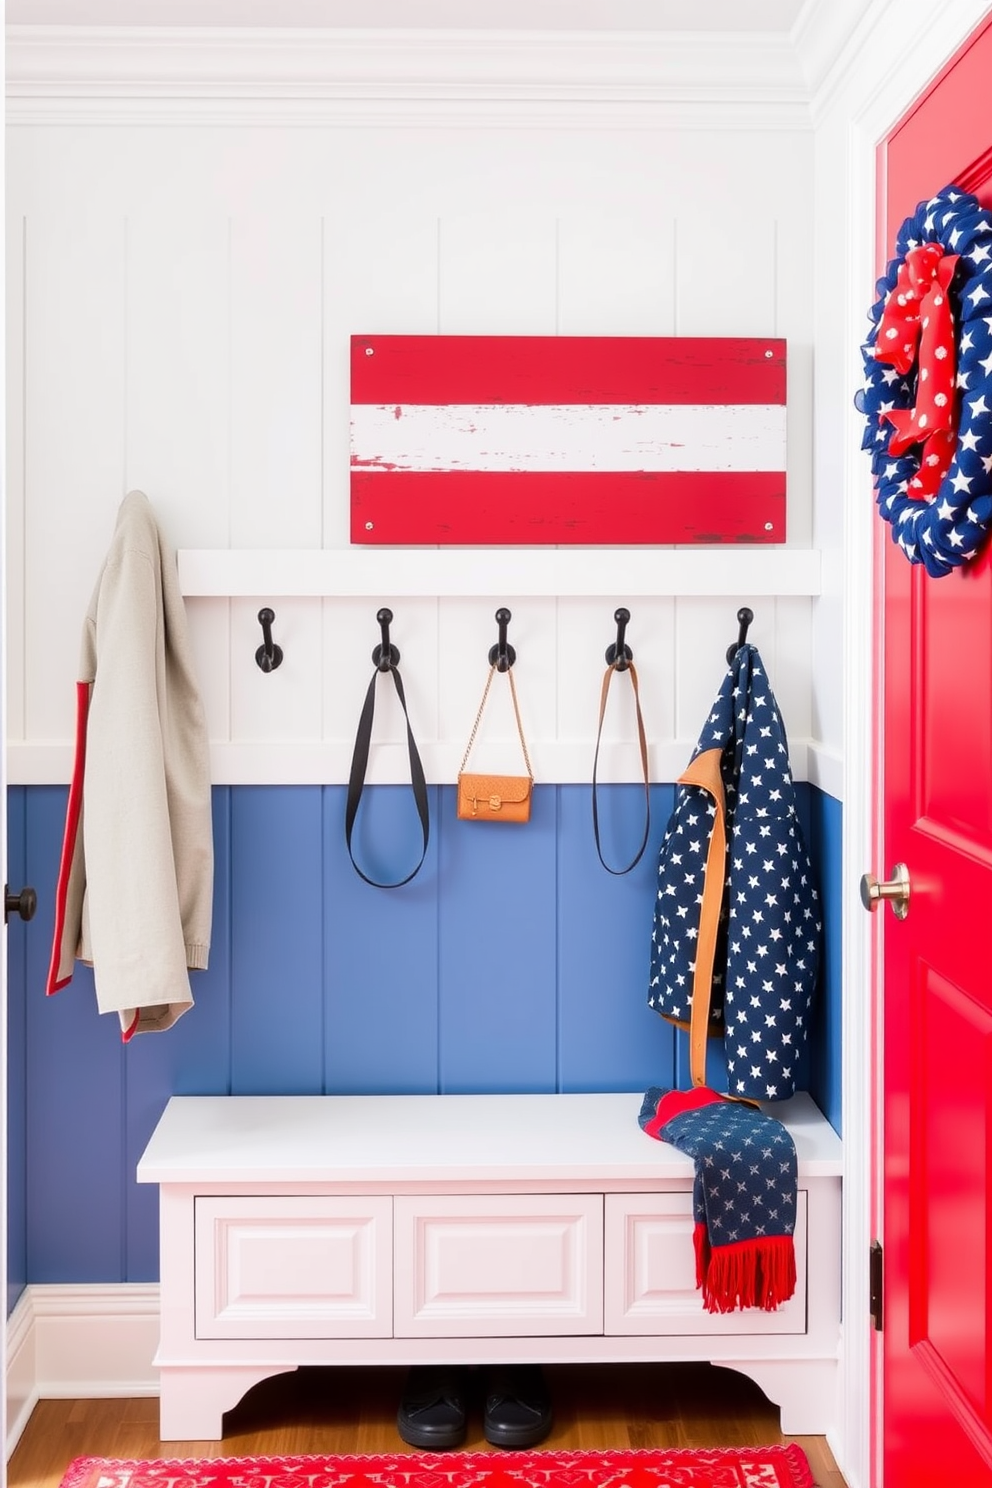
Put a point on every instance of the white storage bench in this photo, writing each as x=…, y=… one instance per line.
x=460, y=1229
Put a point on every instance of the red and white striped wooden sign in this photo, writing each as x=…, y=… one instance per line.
x=567, y=439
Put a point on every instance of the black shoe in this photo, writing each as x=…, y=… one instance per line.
x=432, y=1412
x=518, y=1407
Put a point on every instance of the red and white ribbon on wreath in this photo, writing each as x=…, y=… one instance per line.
x=927, y=394
x=917, y=326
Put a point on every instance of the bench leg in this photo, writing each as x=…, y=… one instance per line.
x=805, y=1390
x=192, y=1400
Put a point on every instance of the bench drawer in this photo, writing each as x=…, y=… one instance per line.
x=293, y=1267
x=651, y=1273
x=500, y=1264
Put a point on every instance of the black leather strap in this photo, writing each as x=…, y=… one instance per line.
x=642, y=744
x=359, y=765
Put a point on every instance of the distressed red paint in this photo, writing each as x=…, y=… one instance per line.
x=510, y=439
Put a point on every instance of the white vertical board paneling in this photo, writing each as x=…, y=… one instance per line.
x=276, y=413
x=789, y=664
x=794, y=289
x=276, y=420
x=213, y=645
x=74, y=443
x=351, y=635
x=703, y=630
x=252, y=256
x=616, y=277
x=378, y=277
x=726, y=285
x=13, y=624
x=780, y=630
x=179, y=369
x=381, y=278
x=586, y=629
x=179, y=403
x=467, y=632
x=725, y=275
x=497, y=275
x=843, y=518
x=283, y=704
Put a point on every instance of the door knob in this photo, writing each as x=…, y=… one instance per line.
x=25, y=903
x=895, y=890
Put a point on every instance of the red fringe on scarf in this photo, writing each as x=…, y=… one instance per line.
x=751, y=1273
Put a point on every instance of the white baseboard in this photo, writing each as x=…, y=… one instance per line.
x=22, y=1392
x=79, y=1342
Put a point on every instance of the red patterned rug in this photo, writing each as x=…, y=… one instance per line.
x=739, y=1467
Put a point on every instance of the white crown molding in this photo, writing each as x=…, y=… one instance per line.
x=824, y=37
x=473, y=15
x=97, y=74
x=916, y=37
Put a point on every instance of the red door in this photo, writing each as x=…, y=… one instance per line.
x=936, y=1158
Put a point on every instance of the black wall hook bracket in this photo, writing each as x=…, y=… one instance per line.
x=385, y=656
x=618, y=653
x=269, y=655
x=744, y=618
x=502, y=655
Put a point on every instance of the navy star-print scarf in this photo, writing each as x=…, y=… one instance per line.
x=744, y=1194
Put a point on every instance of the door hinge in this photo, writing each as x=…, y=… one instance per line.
x=875, y=1279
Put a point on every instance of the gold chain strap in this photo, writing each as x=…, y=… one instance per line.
x=478, y=720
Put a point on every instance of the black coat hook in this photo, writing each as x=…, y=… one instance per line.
x=25, y=903
x=385, y=656
x=619, y=653
x=269, y=655
x=502, y=656
x=744, y=618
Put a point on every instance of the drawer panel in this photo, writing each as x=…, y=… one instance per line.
x=500, y=1264
x=650, y=1277
x=293, y=1267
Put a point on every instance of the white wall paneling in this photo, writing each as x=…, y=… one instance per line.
x=276, y=396
x=179, y=365
x=73, y=390
x=285, y=704
x=585, y=629
x=380, y=275
x=496, y=274
x=467, y=634
x=13, y=578
x=616, y=274
x=351, y=633
x=190, y=291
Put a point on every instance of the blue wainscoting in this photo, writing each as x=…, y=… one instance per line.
x=512, y=962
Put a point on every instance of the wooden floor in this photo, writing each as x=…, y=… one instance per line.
x=354, y=1410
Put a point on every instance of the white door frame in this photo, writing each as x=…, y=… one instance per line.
x=919, y=38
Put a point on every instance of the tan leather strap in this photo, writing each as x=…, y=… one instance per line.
x=642, y=744
x=704, y=772
x=478, y=720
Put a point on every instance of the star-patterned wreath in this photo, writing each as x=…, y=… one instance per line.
x=927, y=397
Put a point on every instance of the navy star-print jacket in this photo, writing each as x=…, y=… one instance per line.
x=737, y=920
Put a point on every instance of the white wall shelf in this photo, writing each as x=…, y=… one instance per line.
x=500, y=573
